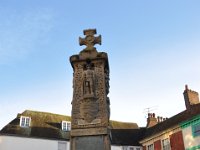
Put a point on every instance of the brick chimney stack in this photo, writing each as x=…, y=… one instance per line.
x=151, y=120
x=191, y=97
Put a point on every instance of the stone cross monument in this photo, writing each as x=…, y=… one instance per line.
x=90, y=104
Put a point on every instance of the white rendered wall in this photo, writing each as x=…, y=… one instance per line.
x=189, y=140
x=116, y=147
x=125, y=147
x=20, y=143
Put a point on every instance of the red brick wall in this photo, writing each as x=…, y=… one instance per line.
x=176, y=141
x=157, y=145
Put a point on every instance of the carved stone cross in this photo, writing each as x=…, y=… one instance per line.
x=90, y=40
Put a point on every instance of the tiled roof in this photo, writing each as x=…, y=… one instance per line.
x=127, y=137
x=173, y=121
x=123, y=125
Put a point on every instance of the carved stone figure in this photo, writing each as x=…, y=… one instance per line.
x=88, y=81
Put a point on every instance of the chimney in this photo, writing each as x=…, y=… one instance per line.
x=161, y=119
x=191, y=97
x=151, y=120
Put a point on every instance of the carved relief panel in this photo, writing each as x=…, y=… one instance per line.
x=90, y=103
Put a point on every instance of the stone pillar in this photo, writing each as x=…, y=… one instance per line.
x=90, y=104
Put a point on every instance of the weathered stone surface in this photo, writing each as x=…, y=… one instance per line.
x=90, y=40
x=90, y=104
x=90, y=131
x=89, y=143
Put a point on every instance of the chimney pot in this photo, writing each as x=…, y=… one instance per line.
x=153, y=115
x=186, y=87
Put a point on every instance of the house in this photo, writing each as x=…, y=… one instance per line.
x=179, y=132
x=41, y=130
x=36, y=130
x=191, y=133
x=126, y=139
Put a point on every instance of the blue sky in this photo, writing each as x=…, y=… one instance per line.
x=153, y=48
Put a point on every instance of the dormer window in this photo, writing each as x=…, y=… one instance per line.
x=66, y=125
x=25, y=121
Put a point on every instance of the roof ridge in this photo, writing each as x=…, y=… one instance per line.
x=43, y=112
x=123, y=121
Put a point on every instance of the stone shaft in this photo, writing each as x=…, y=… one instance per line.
x=90, y=103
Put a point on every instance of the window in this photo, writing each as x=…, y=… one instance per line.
x=137, y=148
x=131, y=148
x=66, y=125
x=166, y=144
x=25, y=121
x=196, y=130
x=150, y=147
